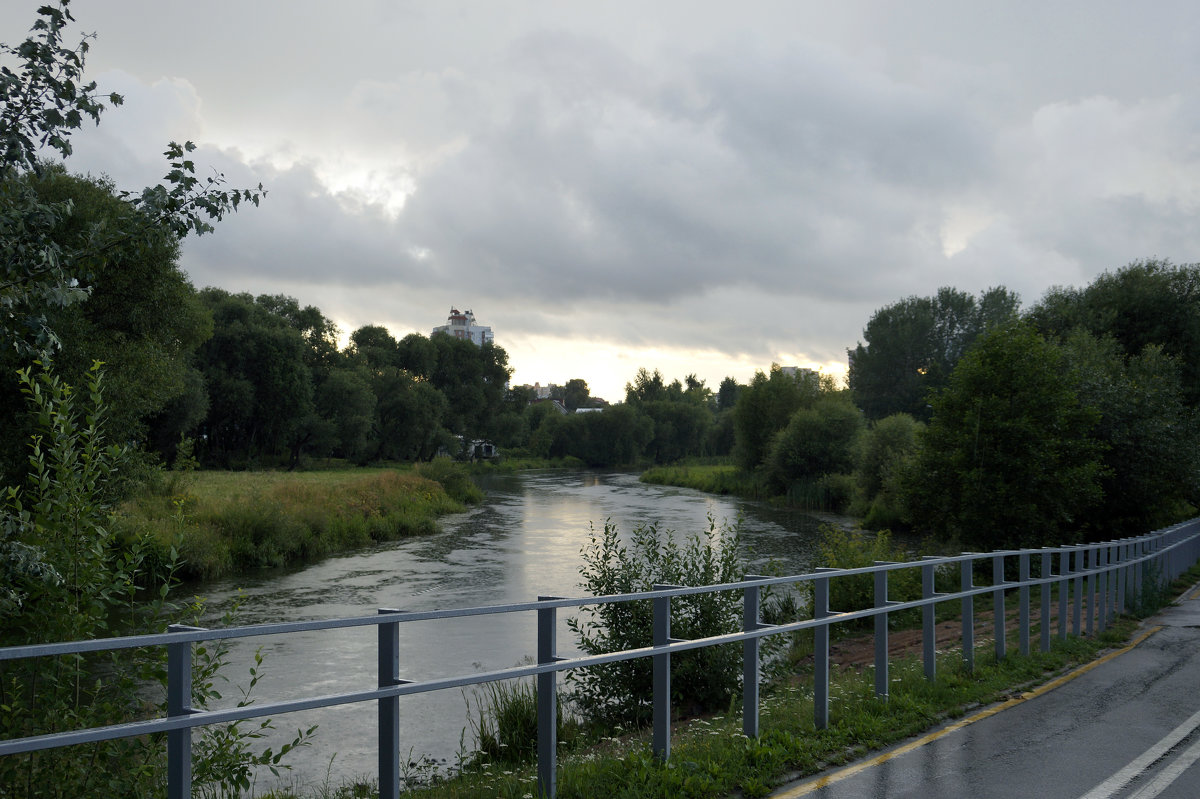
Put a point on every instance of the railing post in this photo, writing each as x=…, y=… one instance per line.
x=1139, y=569
x=1077, y=598
x=1102, y=608
x=998, y=606
x=821, y=650
x=751, y=670
x=662, y=675
x=1093, y=559
x=179, y=703
x=1023, y=599
x=881, y=632
x=1122, y=574
x=389, y=707
x=968, y=613
x=929, y=619
x=1064, y=590
x=547, y=702
x=1046, y=604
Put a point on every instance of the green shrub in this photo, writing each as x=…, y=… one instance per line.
x=701, y=680
x=455, y=479
x=854, y=549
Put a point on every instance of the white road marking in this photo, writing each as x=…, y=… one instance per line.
x=1116, y=782
x=1171, y=773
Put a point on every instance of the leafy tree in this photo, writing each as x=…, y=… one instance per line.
x=882, y=458
x=576, y=394
x=912, y=346
x=1008, y=459
x=260, y=388
x=817, y=441
x=345, y=401
x=1150, y=437
x=44, y=99
x=646, y=387
x=373, y=346
x=765, y=407
x=142, y=317
x=409, y=417
x=1152, y=302
x=473, y=380
x=727, y=394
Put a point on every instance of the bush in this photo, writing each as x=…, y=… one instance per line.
x=853, y=549
x=702, y=680
x=455, y=479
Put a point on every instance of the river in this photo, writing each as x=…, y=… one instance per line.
x=522, y=542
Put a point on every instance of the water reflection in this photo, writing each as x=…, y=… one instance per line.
x=523, y=542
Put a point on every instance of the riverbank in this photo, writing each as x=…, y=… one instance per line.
x=224, y=523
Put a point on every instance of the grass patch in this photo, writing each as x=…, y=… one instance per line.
x=711, y=478
x=228, y=522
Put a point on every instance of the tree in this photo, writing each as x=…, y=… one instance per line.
x=817, y=441
x=260, y=388
x=1008, y=459
x=727, y=394
x=764, y=408
x=142, y=317
x=43, y=101
x=882, y=459
x=1150, y=437
x=912, y=346
x=575, y=394
x=1152, y=302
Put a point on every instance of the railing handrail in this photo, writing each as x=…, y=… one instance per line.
x=1159, y=547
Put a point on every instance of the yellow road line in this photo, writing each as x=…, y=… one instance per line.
x=812, y=785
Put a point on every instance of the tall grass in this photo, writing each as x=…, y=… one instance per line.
x=712, y=478
x=226, y=522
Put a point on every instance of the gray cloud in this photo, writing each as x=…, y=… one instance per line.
x=676, y=178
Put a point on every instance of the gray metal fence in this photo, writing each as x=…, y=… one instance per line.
x=1094, y=582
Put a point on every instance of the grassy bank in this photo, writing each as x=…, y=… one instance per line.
x=712, y=478
x=227, y=522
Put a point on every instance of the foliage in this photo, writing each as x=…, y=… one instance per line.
x=225, y=760
x=141, y=316
x=76, y=585
x=44, y=99
x=764, y=408
x=817, y=441
x=852, y=549
x=912, y=346
x=1150, y=302
x=1150, y=439
x=713, y=478
x=1007, y=460
x=702, y=680
x=883, y=456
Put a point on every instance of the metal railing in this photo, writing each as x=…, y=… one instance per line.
x=1095, y=582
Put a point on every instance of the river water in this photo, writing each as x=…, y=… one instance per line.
x=522, y=542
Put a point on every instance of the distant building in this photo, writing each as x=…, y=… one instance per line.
x=799, y=372
x=461, y=324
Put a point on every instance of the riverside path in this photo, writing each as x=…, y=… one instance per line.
x=1124, y=727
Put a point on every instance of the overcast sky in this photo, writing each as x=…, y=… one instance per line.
x=699, y=187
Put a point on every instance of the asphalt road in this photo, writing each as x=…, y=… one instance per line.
x=1127, y=727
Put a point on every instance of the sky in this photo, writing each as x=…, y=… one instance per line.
x=696, y=187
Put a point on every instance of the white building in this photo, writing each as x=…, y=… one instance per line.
x=461, y=324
